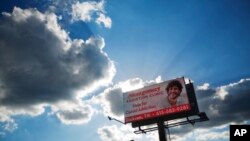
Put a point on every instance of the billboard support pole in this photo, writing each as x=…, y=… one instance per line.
x=161, y=131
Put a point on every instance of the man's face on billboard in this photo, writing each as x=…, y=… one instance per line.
x=173, y=92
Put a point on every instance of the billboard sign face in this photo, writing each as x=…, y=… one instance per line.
x=163, y=99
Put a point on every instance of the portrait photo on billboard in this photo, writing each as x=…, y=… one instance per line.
x=174, y=94
x=162, y=99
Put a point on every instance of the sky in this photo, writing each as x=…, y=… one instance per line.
x=64, y=65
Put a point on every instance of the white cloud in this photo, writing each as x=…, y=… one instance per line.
x=124, y=133
x=205, y=86
x=10, y=126
x=99, y=42
x=72, y=112
x=87, y=11
x=3, y=116
x=32, y=110
x=110, y=101
x=105, y=20
x=41, y=66
x=223, y=91
x=7, y=126
x=201, y=135
x=75, y=116
x=212, y=136
x=115, y=133
x=233, y=109
x=91, y=10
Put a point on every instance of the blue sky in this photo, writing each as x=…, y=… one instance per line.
x=65, y=63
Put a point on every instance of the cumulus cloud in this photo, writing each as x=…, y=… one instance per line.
x=91, y=10
x=86, y=11
x=205, y=86
x=103, y=19
x=10, y=126
x=124, y=133
x=232, y=108
x=204, y=136
x=41, y=66
x=115, y=133
x=111, y=100
x=78, y=115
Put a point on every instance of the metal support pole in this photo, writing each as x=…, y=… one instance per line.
x=161, y=131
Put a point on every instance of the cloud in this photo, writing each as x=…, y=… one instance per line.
x=111, y=100
x=41, y=66
x=91, y=10
x=86, y=11
x=10, y=126
x=105, y=20
x=205, y=86
x=233, y=108
x=204, y=136
x=124, y=133
x=76, y=115
x=115, y=133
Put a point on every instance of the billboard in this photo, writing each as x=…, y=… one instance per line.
x=165, y=99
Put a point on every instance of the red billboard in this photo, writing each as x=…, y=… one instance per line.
x=158, y=100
